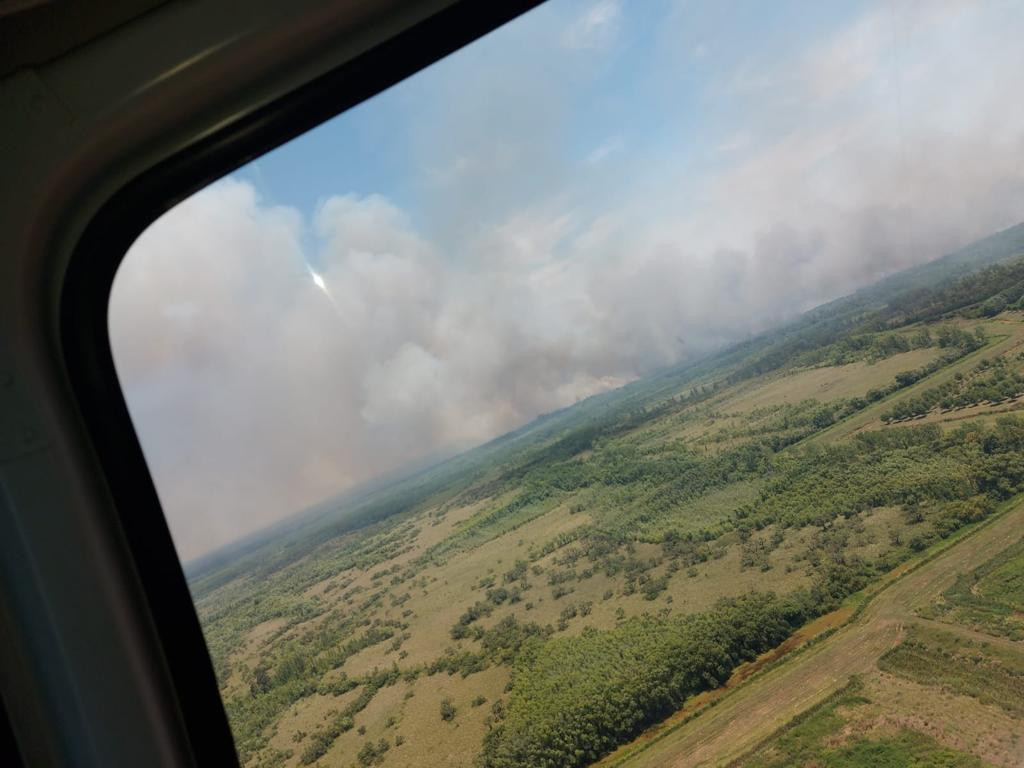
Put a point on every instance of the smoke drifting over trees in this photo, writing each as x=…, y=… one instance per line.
x=527, y=270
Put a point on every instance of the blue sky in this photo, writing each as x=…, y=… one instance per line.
x=597, y=190
x=641, y=84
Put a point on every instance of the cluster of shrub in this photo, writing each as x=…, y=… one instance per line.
x=891, y=467
x=498, y=645
x=990, y=381
x=866, y=346
x=296, y=671
x=322, y=739
x=371, y=754
x=495, y=596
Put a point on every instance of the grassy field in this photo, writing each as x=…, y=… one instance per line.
x=557, y=598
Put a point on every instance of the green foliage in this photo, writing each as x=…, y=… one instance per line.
x=990, y=381
x=896, y=467
x=868, y=346
x=517, y=572
x=499, y=645
x=476, y=611
x=904, y=748
x=448, y=710
x=372, y=754
x=575, y=699
x=322, y=739
x=800, y=741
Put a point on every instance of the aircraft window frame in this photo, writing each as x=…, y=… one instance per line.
x=84, y=334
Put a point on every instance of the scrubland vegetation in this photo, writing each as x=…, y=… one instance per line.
x=542, y=600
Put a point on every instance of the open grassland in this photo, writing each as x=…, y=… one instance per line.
x=826, y=383
x=693, y=560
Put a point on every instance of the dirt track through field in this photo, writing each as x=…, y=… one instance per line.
x=752, y=712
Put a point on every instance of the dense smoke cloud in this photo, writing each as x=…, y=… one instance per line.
x=895, y=139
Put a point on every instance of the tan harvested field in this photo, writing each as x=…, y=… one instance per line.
x=828, y=383
x=767, y=702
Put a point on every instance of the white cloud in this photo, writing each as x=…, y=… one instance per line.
x=256, y=394
x=603, y=150
x=595, y=27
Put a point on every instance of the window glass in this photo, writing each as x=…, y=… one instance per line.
x=577, y=384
